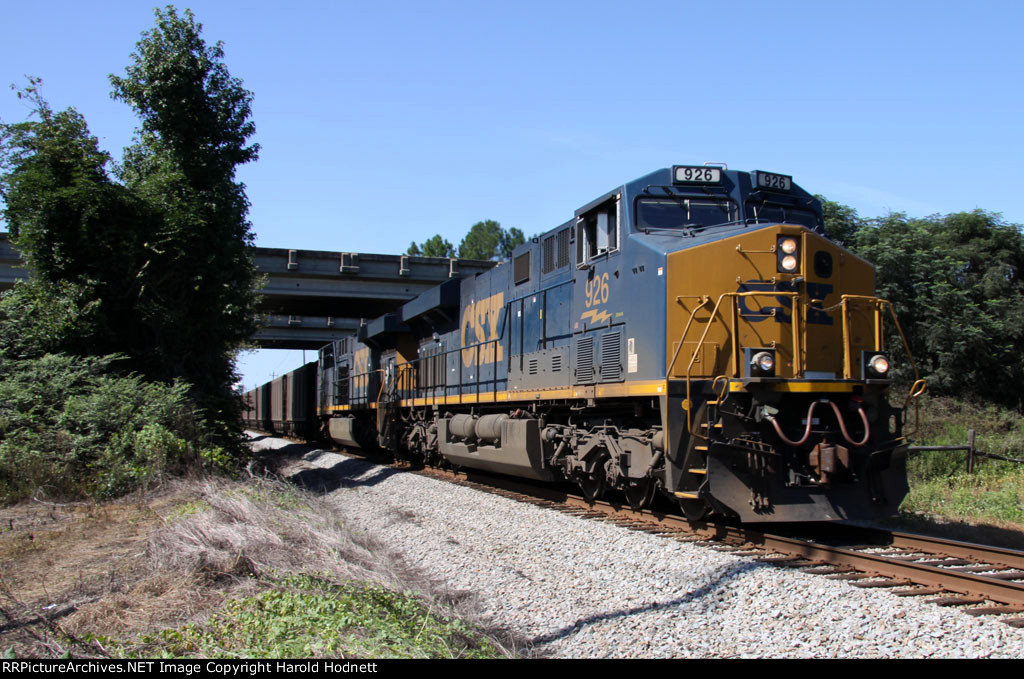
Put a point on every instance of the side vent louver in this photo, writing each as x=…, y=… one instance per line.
x=611, y=357
x=585, y=359
x=563, y=249
x=521, y=268
x=548, y=255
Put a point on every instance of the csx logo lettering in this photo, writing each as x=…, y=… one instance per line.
x=783, y=313
x=480, y=323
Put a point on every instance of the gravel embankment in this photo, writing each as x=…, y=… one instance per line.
x=584, y=589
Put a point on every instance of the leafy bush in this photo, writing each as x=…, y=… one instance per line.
x=72, y=427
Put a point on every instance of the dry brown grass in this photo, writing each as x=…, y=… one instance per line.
x=264, y=528
x=56, y=560
x=124, y=570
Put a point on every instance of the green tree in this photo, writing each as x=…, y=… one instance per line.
x=509, y=240
x=156, y=267
x=77, y=230
x=432, y=247
x=955, y=282
x=487, y=240
x=198, y=301
x=841, y=221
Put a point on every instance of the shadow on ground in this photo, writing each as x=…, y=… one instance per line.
x=347, y=473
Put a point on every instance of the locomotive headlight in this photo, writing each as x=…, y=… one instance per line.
x=787, y=250
x=876, y=365
x=760, y=362
x=764, y=361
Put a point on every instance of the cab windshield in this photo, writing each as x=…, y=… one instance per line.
x=781, y=214
x=678, y=213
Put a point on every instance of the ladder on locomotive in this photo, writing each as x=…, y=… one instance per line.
x=387, y=411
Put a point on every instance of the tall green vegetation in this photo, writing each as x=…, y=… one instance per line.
x=435, y=246
x=955, y=281
x=73, y=426
x=146, y=260
x=198, y=299
x=153, y=256
x=956, y=284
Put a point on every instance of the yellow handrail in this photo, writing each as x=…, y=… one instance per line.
x=733, y=296
x=704, y=300
x=879, y=304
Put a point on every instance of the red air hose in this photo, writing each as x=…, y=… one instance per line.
x=839, y=417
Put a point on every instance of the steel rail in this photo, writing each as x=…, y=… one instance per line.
x=971, y=584
x=997, y=556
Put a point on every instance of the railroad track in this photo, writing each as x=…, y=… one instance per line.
x=978, y=579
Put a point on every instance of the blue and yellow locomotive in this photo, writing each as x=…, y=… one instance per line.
x=692, y=333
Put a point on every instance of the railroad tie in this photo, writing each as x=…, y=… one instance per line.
x=954, y=601
x=882, y=583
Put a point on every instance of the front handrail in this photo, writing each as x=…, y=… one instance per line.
x=845, y=302
x=799, y=307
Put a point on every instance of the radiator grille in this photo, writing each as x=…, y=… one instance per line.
x=563, y=249
x=521, y=268
x=611, y=357
x=548, y=264
x=585, y=359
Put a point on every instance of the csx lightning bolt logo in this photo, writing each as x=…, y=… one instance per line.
x=596, y=293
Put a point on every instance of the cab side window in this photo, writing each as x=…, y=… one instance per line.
x=597, y=232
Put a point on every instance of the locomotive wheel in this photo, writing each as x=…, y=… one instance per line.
x=593, y=485
x=694, y=510
x=640, y=494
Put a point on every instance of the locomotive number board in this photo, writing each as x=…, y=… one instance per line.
x=770, y=180
x=696, y=174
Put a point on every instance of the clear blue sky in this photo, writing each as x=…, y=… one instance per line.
x=383, y=123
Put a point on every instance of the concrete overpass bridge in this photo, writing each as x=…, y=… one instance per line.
x=314, y=296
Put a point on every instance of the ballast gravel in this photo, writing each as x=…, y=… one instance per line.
x=578, y=588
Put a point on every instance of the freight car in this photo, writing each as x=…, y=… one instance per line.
x=692, y=334
x=286, y=406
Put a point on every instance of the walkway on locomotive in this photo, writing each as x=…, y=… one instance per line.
x=586, y=310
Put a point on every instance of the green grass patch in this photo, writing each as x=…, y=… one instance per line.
x=187, y=509
x=939, y=482
x=303, y=616
x=989, y=494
